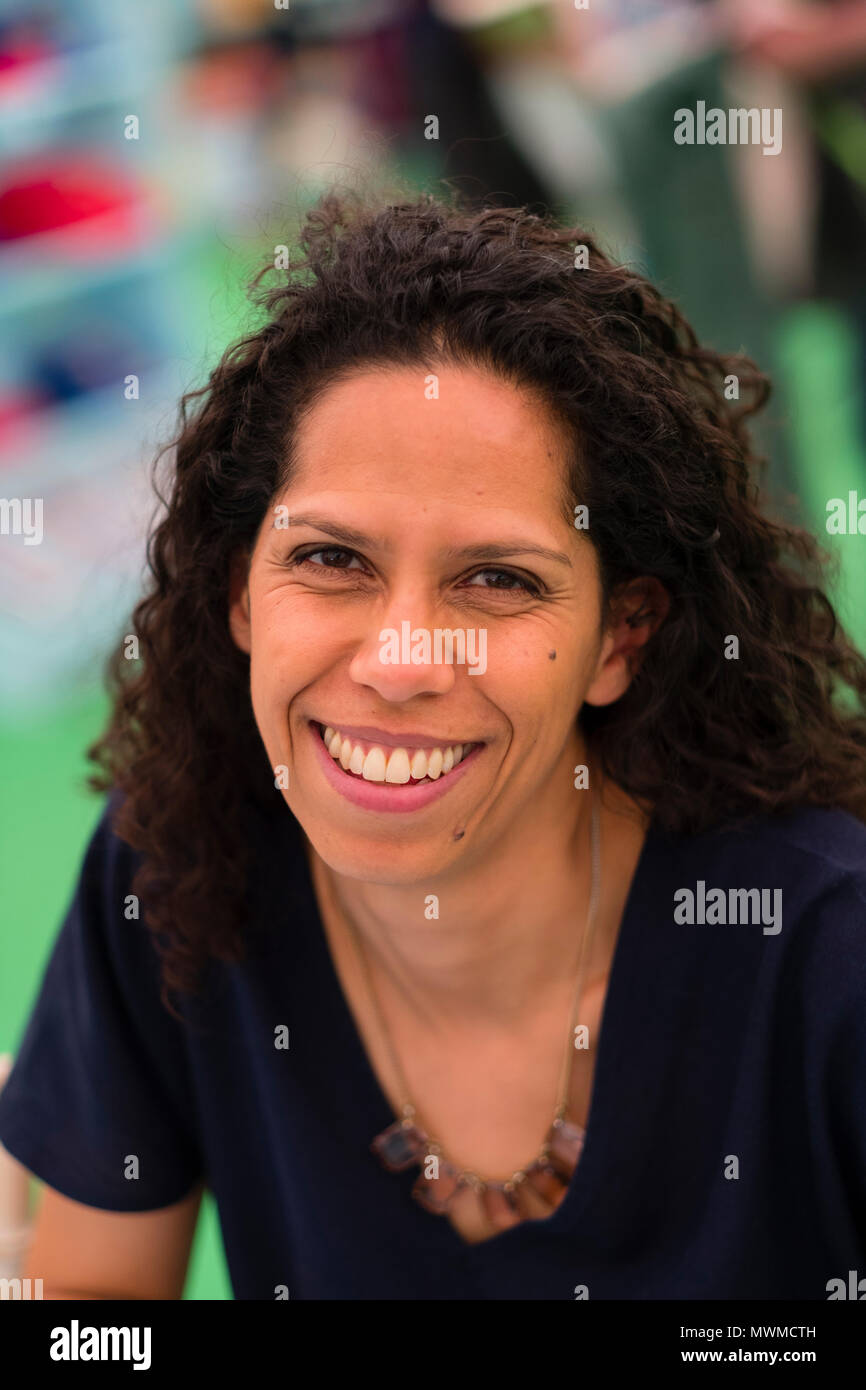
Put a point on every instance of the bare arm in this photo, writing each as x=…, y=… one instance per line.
x=809, y=42
x=82, y=1252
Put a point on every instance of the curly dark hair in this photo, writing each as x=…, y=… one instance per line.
x=659, y=455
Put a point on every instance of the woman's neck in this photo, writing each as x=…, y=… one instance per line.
x=510, y=921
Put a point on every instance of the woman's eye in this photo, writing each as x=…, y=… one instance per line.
x=336, y=559
x=328, y=551
x=514, y=582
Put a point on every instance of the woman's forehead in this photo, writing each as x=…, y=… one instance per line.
x=416, y=407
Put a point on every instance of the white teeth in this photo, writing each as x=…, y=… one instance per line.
x=357, y=763
x=397, y=765
x=374, y=766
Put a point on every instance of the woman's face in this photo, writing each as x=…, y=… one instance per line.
x=414, y=512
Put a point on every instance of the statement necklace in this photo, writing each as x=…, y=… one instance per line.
x=405, y=1142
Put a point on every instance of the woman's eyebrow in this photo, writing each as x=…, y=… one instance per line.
x=332, y=528
x=502, y=550
x=492, y=550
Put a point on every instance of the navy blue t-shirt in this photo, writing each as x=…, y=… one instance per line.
x=726, y=1140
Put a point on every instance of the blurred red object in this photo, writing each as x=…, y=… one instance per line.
x=19, y=415
x=22, y=49
x=243, y=77
x=96, y=207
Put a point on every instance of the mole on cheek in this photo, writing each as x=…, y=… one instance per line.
x=458, y=834
x=551, y=656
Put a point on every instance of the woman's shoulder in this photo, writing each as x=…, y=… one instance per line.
x=787, y=891
x=278, y=890
x=807, y=852
x=828, y=837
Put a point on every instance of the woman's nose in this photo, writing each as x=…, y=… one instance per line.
x=400, y=656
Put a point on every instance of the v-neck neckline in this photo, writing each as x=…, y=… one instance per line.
x=580, y=1187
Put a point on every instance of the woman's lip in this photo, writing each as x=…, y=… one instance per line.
x=386, y=796
x=367, y=734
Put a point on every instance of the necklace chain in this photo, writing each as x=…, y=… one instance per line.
x=407, y=1109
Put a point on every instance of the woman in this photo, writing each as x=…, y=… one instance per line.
x=528, y=962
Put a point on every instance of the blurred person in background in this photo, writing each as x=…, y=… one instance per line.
x=821, y=47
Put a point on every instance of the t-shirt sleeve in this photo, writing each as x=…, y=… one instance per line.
x=99, y=1102
x=833, y=986
x=848, y=1110
x=846, y=1091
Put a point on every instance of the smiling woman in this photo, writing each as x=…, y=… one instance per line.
x=437, y=880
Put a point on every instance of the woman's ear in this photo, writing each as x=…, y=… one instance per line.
x=239, y=600
x=636, y=613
